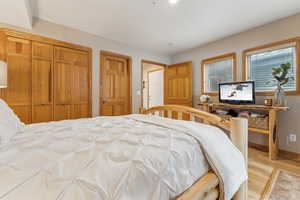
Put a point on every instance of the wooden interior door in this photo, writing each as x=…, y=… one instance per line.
x=179, y=84
x=63, y=88
x=18, y=92
x=62, y=83
x=47, y=79
x=42, y=82
x=80, y=86
x=115, y=84
x=71, y=84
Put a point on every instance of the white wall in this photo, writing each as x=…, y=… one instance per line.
x=63, y=33
x=276, y=31
x=156, y=88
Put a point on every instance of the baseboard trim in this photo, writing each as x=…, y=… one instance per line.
x=260, y=147
x=282, y=153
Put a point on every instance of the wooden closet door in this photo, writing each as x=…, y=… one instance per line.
x=178, y=84
x=80, y=89
x=71, y=84
x=63, y=88
x=115, y=85
x=18, y=92
x=42, y=82
x=62, y=83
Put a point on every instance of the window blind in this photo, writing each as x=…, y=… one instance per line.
x=217, y=72
x=261, y=64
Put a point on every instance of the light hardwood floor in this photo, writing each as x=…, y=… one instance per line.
x=263, y=173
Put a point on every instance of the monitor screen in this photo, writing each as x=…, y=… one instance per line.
x=237, y=92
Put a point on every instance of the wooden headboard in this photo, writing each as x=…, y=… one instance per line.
x=177, y=112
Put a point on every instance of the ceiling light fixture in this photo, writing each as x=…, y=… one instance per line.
x=173, y=2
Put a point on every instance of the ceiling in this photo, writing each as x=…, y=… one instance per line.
x=16, y=12
x=158, y=26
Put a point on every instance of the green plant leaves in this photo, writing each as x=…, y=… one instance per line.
x=280, y=73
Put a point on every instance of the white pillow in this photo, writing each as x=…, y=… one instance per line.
x=10, y=124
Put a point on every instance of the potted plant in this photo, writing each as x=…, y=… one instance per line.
x=280, y=75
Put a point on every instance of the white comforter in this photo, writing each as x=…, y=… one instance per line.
x=135, y=157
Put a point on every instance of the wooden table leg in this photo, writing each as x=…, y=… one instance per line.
x=273, y=134
x=3, y=94
x=206, y=108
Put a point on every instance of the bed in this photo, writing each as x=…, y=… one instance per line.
x=127, y=157
x=209, y=187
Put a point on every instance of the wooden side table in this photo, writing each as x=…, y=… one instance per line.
x=272, y=130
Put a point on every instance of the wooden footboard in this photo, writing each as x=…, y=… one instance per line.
x=207, y=188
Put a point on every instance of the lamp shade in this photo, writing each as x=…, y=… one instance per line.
x=3, y=74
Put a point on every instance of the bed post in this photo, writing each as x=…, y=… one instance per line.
x=239, y=136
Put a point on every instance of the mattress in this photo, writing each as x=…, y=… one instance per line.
x=103, y=158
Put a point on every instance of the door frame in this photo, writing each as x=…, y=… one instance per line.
x=154, y=63
x=129, y=63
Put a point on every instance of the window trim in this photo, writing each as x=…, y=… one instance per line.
x=275, y=45
x=216, y=59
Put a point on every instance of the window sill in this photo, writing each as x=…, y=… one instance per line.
x=211, y=93
x=288, y=93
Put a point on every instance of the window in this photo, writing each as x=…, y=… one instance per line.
x=217, y=70
x=260, y=61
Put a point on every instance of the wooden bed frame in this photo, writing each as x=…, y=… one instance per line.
x=207, y=187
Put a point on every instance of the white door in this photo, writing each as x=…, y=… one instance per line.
x=156, y=88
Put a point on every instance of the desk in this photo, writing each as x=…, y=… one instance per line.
x=272, y=130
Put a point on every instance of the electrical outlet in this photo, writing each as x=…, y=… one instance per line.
x=292, y=137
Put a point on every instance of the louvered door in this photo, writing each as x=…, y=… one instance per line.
x=42, y=82
x=18, y=93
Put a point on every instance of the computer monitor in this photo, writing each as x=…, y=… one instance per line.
x=237, y=92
